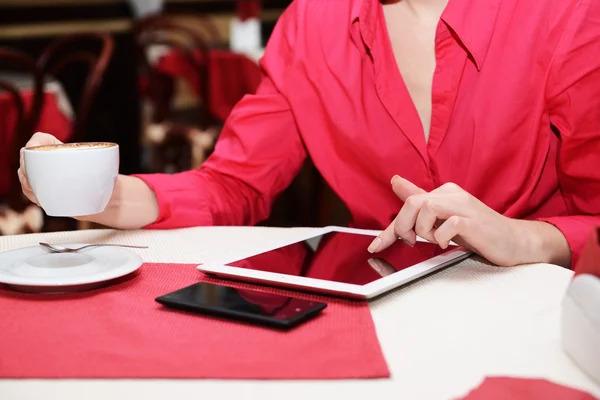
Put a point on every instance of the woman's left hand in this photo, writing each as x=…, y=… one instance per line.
x=449, y=213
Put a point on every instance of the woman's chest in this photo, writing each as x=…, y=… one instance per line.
x=363, y=110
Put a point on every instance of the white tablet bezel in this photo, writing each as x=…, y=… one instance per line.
x=368, y=291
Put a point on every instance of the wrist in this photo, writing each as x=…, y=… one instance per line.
x=117, y=194
x=529, y=244
x=539, y=242
x=112, y=205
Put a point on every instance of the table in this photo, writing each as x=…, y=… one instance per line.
x=441, y=335
x=55, y=118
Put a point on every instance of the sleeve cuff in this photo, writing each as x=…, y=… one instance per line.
x=180, y=204
x=576, y=229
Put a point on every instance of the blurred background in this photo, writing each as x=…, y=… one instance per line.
x=158, y=77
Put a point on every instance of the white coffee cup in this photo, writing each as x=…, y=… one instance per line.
x=72, y=179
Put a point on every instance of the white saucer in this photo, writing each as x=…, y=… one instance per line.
x=34, y=269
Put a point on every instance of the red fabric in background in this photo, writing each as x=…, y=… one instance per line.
x=231, y=77
x=52, y=120
x=121, y=332
x=502, y=388
x=248, y=9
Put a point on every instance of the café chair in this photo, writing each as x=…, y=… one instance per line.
x=92, y=50
x=176, y=137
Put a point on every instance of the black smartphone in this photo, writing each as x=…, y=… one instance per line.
x=243, y=304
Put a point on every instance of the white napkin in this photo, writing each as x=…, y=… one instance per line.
x=141, y=8
x=245, y=35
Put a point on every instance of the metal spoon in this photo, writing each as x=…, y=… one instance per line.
x=54, y=248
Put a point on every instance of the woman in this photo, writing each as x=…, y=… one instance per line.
x=485, y=113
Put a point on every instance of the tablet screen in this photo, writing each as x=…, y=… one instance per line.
x=340, y=257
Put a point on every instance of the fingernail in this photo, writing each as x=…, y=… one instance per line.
x=375, y=245
x=393, y=177
x=406, y=242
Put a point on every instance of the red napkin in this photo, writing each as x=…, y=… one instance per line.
x=501, y=388
x=120, y=332
x=589, y=260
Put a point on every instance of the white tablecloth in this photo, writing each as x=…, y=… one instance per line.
x=441, y=336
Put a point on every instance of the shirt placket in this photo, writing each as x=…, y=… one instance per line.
x=450, y=63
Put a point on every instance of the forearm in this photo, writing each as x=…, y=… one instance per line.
x=133, y=205
x=205, y=197
x=541, y=242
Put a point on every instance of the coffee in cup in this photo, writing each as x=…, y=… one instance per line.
x=72, y=179
x=63, y=146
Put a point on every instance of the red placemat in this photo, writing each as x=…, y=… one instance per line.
x=121, y=332
x=501, y=388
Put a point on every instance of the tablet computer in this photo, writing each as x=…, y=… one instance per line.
x=335, y=260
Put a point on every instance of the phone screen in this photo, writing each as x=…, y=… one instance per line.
x=243, y=304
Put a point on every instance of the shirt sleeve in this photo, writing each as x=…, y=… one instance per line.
x=258, y=154
x=574, y=107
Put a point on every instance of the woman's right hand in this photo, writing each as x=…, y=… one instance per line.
x=133, y=204
x=38, y=139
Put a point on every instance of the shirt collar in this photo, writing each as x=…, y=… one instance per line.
x=472, y=20
x=365, y=13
